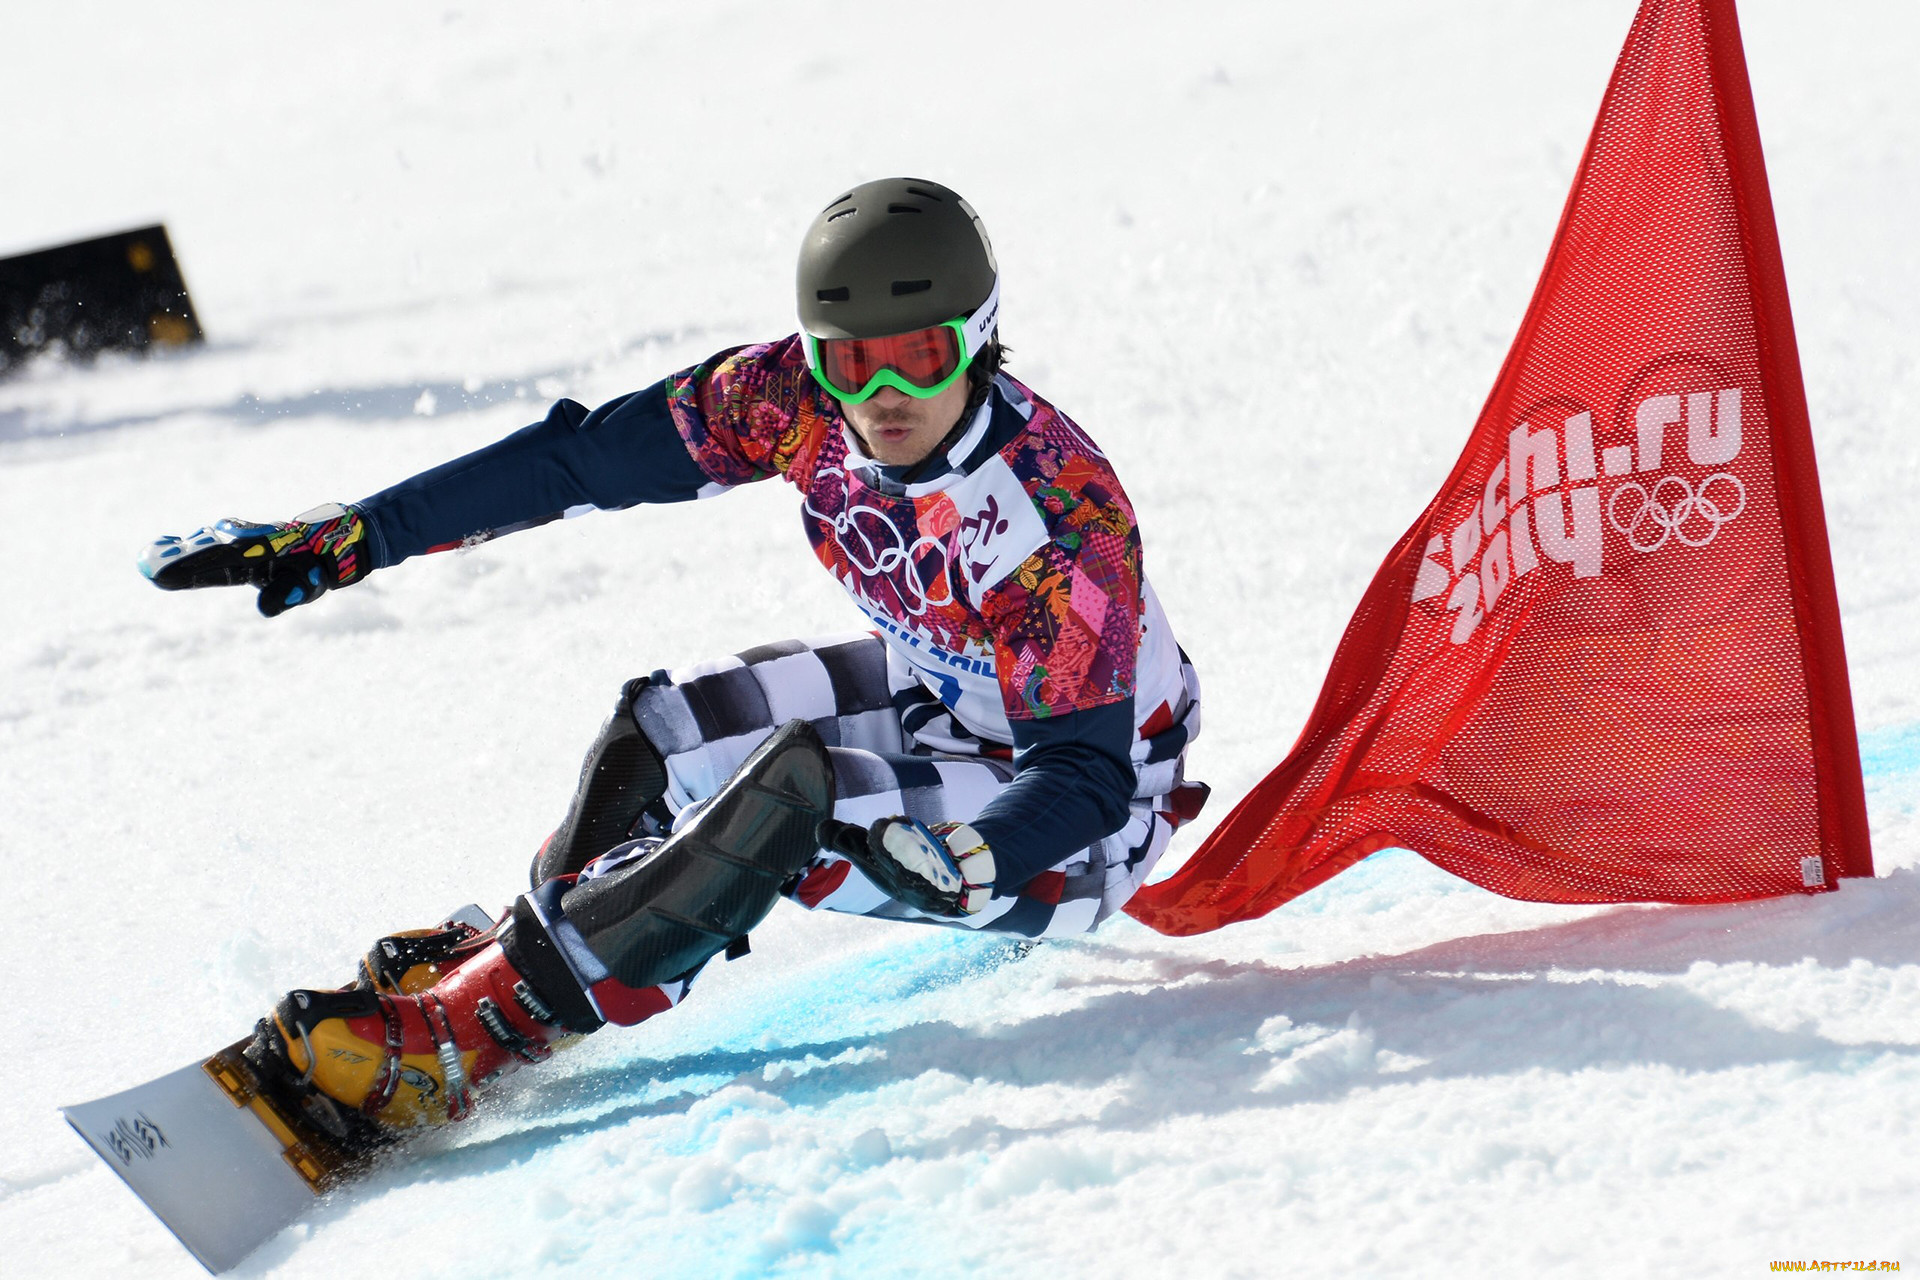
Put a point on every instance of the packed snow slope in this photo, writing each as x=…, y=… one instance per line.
x=1271, y=255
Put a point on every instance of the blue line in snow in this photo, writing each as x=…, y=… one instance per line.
x=1886, y=752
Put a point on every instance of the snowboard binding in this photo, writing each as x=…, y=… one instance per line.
x=433, y=1015
x=412, y=961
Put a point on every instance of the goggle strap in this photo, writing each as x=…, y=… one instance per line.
x=978, y=330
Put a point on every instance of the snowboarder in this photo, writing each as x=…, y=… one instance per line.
x=1003, y=750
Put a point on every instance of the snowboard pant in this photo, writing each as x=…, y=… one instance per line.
x=881, y=727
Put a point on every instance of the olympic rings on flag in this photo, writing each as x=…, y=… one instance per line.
x=1663, y=514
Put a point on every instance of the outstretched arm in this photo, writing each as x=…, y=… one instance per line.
x=730, y=420
x=696, y=433
x=624, y=453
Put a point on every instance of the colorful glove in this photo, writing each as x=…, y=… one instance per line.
x=943, y=870
x=291, y=563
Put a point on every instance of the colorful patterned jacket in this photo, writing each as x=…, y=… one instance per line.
x=1008, y=584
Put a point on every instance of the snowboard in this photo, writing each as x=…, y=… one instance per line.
x=222, y=1161
x=219, y=1161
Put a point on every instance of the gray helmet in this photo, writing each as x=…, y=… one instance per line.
x=892, y=256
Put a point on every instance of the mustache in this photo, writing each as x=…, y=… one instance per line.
x=898, y=416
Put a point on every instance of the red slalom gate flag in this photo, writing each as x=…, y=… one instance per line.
x=1605, y=664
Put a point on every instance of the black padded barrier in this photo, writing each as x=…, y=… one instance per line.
x=120, y=292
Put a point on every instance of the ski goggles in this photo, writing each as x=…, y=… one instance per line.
x=922, y=363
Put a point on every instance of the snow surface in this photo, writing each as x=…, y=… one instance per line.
x=1272, y=255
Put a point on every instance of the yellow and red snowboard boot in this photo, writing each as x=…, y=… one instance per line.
x=434, y=1015
x=368, y=1063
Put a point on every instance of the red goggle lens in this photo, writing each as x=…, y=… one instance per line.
x=924, y=357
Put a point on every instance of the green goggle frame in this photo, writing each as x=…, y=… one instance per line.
x=887, y=376
x=971, y=335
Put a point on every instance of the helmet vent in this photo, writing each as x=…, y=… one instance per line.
x=844, y=213
x=923, y=192
x=901, y=288
x=841, y=294
x=904, y=208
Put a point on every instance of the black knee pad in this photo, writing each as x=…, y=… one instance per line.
x=621, y=781
x=663, y=915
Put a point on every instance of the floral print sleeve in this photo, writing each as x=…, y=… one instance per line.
x=747, y=413
x=1066, y=624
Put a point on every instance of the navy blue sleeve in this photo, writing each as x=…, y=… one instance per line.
x=623, y=453
x=1074, y=785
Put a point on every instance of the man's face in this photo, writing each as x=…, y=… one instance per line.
x=900, y=430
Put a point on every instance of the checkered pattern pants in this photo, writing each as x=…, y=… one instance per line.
x=878, y=722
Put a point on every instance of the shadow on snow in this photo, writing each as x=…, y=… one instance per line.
x=373, y=403
x=1187, y=1039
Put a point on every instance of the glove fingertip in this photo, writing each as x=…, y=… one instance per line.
x=978, y=867
x=279, y=597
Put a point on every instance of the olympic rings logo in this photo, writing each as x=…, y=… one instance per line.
x=876, y=549
x=1674, y=510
